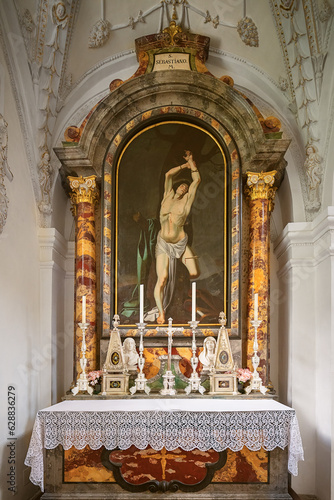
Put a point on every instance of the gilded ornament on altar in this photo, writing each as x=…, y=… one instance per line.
x=172, y=30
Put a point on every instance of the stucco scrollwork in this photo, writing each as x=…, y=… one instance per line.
x=4, y=172
x=325, y=11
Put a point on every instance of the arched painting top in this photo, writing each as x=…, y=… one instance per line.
x=165, y=89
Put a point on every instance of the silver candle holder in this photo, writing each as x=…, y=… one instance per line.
x=194, y=380
x=82, y=384
x=256, y=381
x=141, y=381
x=169, y=377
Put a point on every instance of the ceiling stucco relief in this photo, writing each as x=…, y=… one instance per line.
x=4, y=172
x=45, y=40
x=81, y=58
x=303, y=27
x=60, y=59
x=173, y=10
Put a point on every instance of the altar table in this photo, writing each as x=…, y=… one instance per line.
x=171, y=423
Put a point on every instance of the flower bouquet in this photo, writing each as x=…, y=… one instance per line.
x=243, y=375
x=95, y=380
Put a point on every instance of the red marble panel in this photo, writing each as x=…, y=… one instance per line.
x=139, y=466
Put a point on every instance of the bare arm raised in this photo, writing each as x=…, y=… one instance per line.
x=169, y=177
x=196, y=178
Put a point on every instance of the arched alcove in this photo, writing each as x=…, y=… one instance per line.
x=187, y=97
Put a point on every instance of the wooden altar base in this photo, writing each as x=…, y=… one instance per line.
x=275, y=489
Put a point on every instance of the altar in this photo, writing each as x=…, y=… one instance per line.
x=172, y=293
x=181, y=425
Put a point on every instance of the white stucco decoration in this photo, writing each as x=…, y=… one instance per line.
x=313, y=169
x=99, y=34
x=45, y=173
x=248, y=32
x=4, y=172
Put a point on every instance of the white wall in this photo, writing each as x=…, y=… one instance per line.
x=305, y=256
x=21, y=337
x=36, y=333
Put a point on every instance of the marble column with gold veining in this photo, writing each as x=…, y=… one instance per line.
x=261, y=198
x=84, y=196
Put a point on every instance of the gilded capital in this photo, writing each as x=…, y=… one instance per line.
x=260, y=185
x=84, y=189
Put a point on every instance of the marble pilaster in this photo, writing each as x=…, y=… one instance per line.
x=261, y=194
x=84, y=196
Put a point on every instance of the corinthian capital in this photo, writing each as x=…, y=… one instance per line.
x=84, y=189
x=260, y=185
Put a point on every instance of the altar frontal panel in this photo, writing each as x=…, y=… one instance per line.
x=141, y=466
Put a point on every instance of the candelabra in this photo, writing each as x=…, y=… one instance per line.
x=169, y=377
x=82, y=385
x=140, y=381
x=194, y=380
x=256, y=381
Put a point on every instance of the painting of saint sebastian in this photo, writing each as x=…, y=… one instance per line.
x=169, y=225
x=172, y=240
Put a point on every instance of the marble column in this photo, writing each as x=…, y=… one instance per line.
x=261, y=195
x=84, y=196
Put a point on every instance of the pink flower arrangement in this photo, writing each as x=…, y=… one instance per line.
x=95, y=377
x=244, y=374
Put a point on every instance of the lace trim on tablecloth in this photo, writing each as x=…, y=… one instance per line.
x=158, y=429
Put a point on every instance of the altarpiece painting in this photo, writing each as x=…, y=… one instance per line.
x=138, y=180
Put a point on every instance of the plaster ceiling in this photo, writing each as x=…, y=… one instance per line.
x=81, y=58
x=49, y=58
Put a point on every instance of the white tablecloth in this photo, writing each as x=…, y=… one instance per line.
x=170, y=423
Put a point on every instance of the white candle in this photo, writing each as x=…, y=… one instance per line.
x=141, y=304
x=193, y=301
x=256, y=306
x=83, y=319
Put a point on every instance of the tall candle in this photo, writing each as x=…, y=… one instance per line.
x=83, y=319
x=141, y=304
x=193, y=301
x=256, y=306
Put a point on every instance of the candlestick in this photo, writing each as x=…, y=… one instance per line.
x=193, y=301
x=256, y=381
x=82, y=385
x=83, y=318
x=256, y=306
x=140, y=381
x=194, y=380
x=141, y=302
